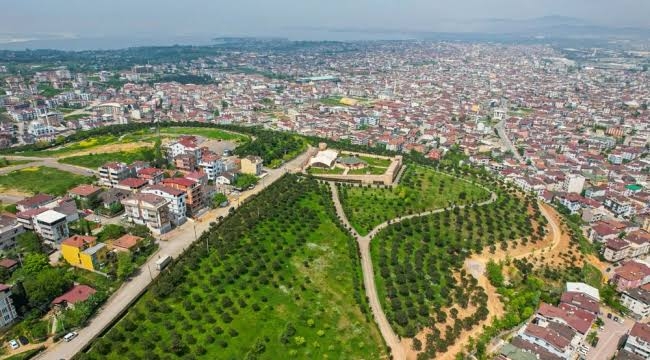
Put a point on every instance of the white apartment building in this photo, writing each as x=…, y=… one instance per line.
x=112, y=173
x=638, y=341
x=574, y=183
x=638, y=301
x=52, y=226
x=177, y=201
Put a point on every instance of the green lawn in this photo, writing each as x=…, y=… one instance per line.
x=42, y=180
x=372, y=170
x=332, y=101
x=282, y=281
x=378, y=162
x=321, y=171
x=76, y=116
x=415, y=262
x=5, y=163
x=206, y=132
x=93, y=161
x=420, y=189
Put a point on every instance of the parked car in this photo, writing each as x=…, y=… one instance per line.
x=69, y=336
x=609, y=315
x=23, y=340
x=14, y=344
x=616, y=318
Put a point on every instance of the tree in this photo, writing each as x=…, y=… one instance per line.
x=29, y=242
x=34, y=263
x=157, y=151
x=45, y=285
x=110, y=232
x=245, y=180
x=125, y=265
x=224, y=104
x=219, y=199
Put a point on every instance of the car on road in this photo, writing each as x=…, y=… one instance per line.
x=609, y=315
x=616, y=318
x=69, y=336
x=14, y=344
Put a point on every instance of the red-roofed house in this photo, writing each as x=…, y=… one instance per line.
x=126, y=243
x=77, y=294
x=151, y=175
x=132, y=184
x=632, y=274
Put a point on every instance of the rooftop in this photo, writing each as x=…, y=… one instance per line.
x=76, y=294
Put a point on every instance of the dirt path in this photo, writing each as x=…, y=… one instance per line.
x=399, y=348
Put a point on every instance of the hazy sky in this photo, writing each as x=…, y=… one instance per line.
x=257, y=17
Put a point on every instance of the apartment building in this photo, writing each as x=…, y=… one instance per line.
x=7, y=311
x=574, y=183
x=638, y=341
x=194, y=191
x=110, y=174
x=251, y=165
x=10, y=229
x=52, y=226
x=150, y=210
x=212, y=165
x=638, y=301
x=177, y=201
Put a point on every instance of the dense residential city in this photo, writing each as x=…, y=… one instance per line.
x=110, y=173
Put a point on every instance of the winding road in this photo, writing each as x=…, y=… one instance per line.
x=390, y=337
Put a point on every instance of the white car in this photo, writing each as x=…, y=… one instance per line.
x=14, y=344
x=69, y=336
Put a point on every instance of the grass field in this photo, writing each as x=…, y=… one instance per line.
x=420, y=189
x=142, y=136
x=321, y=171
x=5, y=163
x=372, y=170
x=93, y=161
x=206, y=132
x=42, y=180
x=281, y=281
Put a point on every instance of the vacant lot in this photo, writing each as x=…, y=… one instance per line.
x=421, y=189
x=94, y=161
x=205, y=132
x=281, y=280
x=42, y=180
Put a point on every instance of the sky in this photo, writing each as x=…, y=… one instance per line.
x=88, y=18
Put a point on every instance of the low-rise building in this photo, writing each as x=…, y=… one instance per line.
x=150, y=210
x=152, y=175
x=34, y=202
x=84, y=252
x=77, y=294
x=126, y=243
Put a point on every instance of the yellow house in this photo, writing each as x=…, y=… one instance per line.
x=84, y=252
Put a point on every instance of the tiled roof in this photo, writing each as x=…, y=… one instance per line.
x=76, y=294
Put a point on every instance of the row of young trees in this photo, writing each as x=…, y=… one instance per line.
x=254, y=262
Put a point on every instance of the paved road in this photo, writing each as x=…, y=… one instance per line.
x=506, y=141
x=609, y=337
x=174, y=243
x=390, y=337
